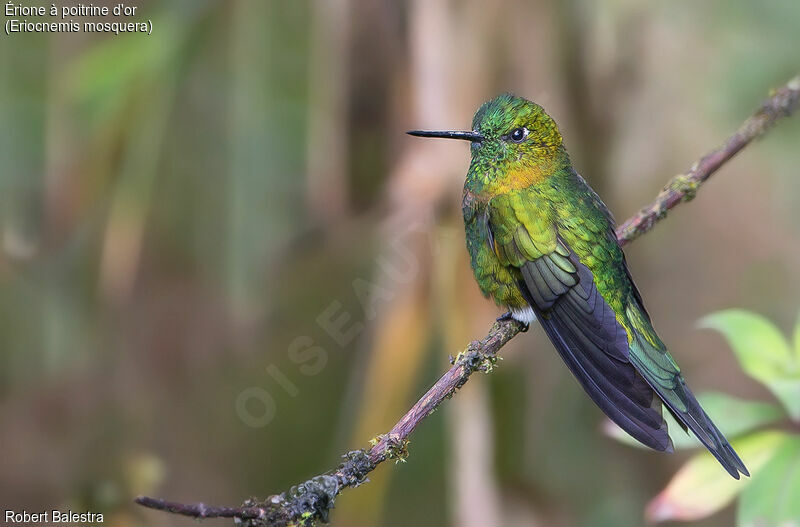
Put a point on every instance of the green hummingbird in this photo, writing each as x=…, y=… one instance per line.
x=542, y=244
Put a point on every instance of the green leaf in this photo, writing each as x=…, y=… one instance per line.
x=733, y=416
x=774, y=497
x=788, y=392
x=761, y=349
x=702, y=487
x=763, y=353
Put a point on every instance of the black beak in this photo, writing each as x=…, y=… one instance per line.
x=475, y=137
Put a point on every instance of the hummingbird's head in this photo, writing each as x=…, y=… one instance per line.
x=516, y=125
x=514, y=143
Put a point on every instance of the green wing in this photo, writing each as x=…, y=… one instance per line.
x=580, y=323
x=575, y=278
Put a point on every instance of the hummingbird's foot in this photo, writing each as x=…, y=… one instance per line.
x=508, y=315
x=505, y=317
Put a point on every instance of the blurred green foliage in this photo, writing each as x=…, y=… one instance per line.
x=771, y=496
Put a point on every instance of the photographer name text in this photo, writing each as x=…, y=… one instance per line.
x=52, y=516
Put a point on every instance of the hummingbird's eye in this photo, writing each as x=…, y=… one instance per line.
x=518, y=134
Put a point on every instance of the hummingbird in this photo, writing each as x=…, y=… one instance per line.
x=542, y=244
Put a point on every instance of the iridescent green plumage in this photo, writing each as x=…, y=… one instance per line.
x=542, y=243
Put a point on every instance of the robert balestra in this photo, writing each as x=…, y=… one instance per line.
x=52, y=516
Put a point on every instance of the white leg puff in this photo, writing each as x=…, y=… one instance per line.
x=525, y=315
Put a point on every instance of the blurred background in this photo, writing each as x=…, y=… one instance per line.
x=224, y=264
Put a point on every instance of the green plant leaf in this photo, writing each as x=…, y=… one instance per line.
x=702, y=487
x=788, y=392
x=774, y=497
x=733, y=416
x=763, y=353
x=761, y=349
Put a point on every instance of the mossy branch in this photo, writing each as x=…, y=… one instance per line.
x=311, y=501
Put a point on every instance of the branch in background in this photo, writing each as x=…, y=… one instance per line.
x=781, y=103
x=312, y=500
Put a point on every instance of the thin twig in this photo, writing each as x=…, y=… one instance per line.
x=312, y=500
x=683, y=187
x=200, y=510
